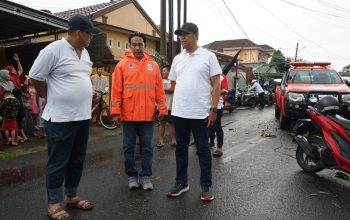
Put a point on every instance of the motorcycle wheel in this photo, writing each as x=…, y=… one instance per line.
x=252, y=103
x=305, y=162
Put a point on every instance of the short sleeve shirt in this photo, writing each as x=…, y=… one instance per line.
x=192, y=73
x=69, y=89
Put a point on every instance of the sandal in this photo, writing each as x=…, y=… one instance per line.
x=59, y=214
x=173, y=145
x=79, y=203
x=20, y=140
x=160, y=145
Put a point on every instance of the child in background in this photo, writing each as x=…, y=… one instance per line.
x=33, y=102
x=9, y=110
x=21, y=137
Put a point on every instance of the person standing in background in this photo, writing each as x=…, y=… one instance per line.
x=99, y=83
x=216, y=129
x=167, y=119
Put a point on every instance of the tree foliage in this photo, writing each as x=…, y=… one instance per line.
x=345, y=71
x=280, y=61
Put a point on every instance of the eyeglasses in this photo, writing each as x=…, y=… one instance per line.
x=137, y=44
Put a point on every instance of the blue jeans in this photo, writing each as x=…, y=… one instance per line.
x=183, y=128
x=217, y=129
x=145, y=132
x=67, y=142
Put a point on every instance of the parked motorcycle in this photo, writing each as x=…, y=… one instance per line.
x=245, y=98
x=323, y=139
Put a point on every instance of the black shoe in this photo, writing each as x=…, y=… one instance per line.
x=178, y=189
x=207, y=195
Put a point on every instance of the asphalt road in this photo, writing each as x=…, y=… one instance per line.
x=257, y=178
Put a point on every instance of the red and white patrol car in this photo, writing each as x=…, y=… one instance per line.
x=303, y=85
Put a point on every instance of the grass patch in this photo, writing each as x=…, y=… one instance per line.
x=5, y=155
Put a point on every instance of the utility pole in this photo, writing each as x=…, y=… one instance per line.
x=185, y=11
x=296, y=52
x=162, y=33
x=178, y=45
x=171, y=31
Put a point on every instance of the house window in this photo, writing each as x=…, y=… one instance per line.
x=119, y=44
x=127, y=46
x=110, y=43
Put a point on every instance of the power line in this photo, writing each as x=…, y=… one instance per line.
x=313, y=10
x=240, y=27
x=222, y=17
x=334, y=6
x=289, y=28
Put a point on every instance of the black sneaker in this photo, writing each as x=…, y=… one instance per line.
x=178, y=189
x=207, y=195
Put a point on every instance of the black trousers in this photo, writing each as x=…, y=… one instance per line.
x=262, y=100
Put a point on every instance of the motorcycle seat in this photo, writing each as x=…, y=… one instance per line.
x=340, y=120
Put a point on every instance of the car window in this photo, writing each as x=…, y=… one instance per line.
x=314, y=77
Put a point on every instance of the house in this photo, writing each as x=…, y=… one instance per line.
x=250, y=51
x=253, y=58
x=117, y=19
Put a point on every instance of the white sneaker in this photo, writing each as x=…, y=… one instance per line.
x=146, y=183
x=133, y=183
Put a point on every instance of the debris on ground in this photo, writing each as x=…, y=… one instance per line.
x=266, y=134
x=342, y=175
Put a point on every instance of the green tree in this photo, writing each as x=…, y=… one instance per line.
x=345, y=71
x=280, y=61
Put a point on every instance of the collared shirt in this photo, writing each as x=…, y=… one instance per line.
x=69, y=89
x=99, y=83
x=257, y=87
x=192, y=73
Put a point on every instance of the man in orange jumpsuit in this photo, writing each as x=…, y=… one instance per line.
x=136, y=88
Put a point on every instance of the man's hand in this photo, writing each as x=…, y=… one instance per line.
x=211, y=119
x=116, y=119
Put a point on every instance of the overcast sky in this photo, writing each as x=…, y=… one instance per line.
x=321, y=27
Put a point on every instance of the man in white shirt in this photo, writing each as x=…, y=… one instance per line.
x=257, y=87
x=61, y=75
x=195, y=76
x=99, y=83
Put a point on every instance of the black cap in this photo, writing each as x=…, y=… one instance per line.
x=82, y=23
x=187, y=28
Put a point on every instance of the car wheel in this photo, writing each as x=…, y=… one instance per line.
x=284, y=122
x=277, y=112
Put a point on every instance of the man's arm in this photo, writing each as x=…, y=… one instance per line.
x=41, y=87
x=215, y=93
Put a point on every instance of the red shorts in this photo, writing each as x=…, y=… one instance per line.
x=9, y=124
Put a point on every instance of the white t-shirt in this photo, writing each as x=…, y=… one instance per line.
x=69, y=89
x=192, y=72
x=257, y=87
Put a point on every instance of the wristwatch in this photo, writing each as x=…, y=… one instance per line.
x=215, y=110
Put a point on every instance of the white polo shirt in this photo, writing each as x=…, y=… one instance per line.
x=192, y=72
x=69, y=89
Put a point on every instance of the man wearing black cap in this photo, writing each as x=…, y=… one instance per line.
x=195, y=75
x=61, y=75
